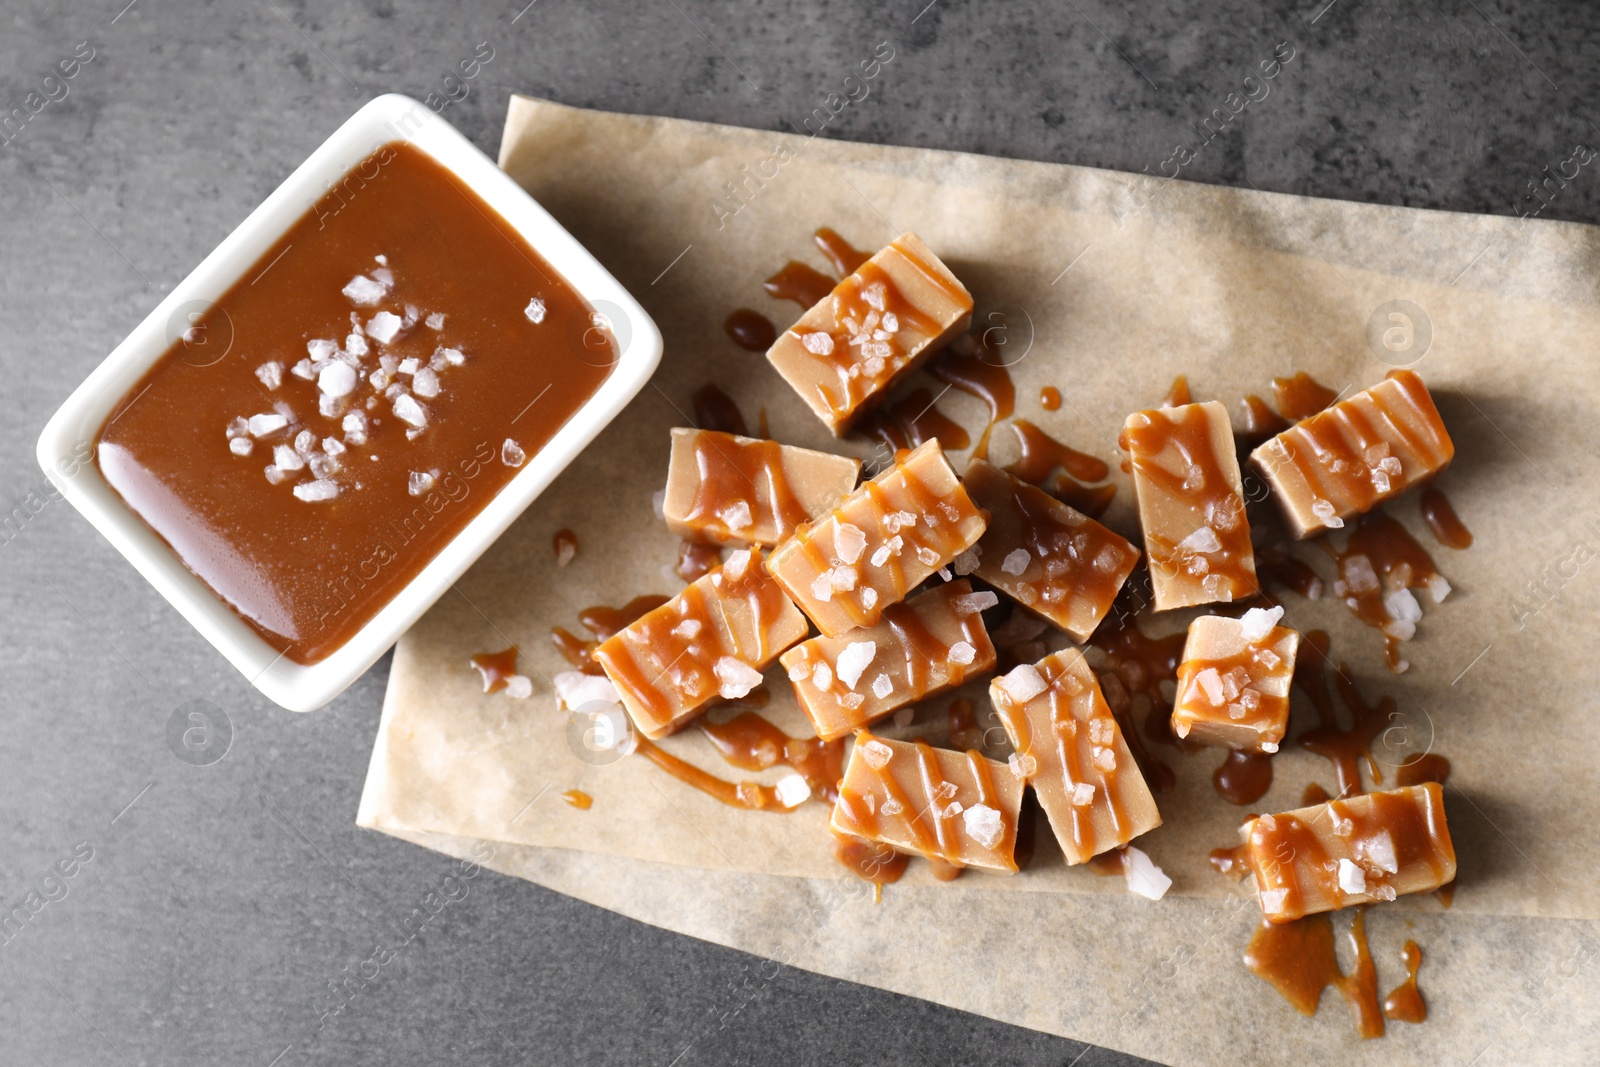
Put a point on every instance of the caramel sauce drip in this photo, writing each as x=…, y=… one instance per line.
x=870, y=861
x=1313, y=794
x=565, y=545
x=1301, y=396
x=913, y=420
x=1050, y=398
x=1276, y=568
x=715, y=410
x=1178, y=395
x=1260, y=422
x=601, y=622
x=942, y=871
x=1299, y=960
x=496, y=668
x=1190, y=436
x=805, y=285
x=1233, y=862
x=1379, y=542
x=1080, y=578
x=1136, y=665
x=729, y=475
x=963, y=731
x=1043, y=454
x=1244, y=777
x=982, y=375
x=751, y=743
x=1446, y=526
x=1345, y=747
x=750, y=330
x=578, y=799
x=1405, y=1003
x=1110, y=864
x=1428, y=767
x=750, y=795
x=697, y=559
x=844, y=256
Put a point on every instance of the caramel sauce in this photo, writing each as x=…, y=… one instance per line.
x=1269, y=706
x=1428, y=767
x=750, y=330
x=942, y=871
x=805, y=285
x=962, y=731
x=1190, y=436
x=697, y=559
x=601, y=622
x=1244, y=777
x=1136, y=665
x=1110, y=864
x=751, y=743
x=1446, y=894
x=870, y=861
x=912, y=420
x=1050, y=398
x=1380, y=542
x=1446, y=526
x=1233, y=862
x=1276, y=568
x=578, y=799
x=1301, y=396
x=1345, y=748
x=1260, y=422
x=733, y=473
x=1178, y=395
x=750, y=795
x=496, y=668
x=1313, y=794
x=1299, y=960
x=845, y=257
x=715, y=410
x=565, y=546
x=1043, y=454
x=981, y=377
x=1405, y=1003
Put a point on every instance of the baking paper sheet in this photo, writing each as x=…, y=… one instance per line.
x=1107, y=286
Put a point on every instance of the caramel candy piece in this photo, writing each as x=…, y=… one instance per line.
x=711, y=640
x=1353, y=851
x=1233, y=681
x=922, y=647
x=880, y=543
x=1043, y=554
x=954, y=806
x=1360, y=452
x=1071, y=751
x=727, y=489
x=877, y=326
x=1191, y=505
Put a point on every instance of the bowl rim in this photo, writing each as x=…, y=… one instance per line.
x=65, y=446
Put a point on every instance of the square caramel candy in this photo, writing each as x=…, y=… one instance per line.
x=711, y=640
x=1347, y=459
x=880, y=543
x=919, y=648
x=1233, y=681
x=876, y=327
x=1070, y=749
x=727, y=489
x=1357, y=850
x=958, y=807
x=1191, y=505
x=1047, y=556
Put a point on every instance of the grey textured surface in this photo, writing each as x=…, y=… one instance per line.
x=221, y=900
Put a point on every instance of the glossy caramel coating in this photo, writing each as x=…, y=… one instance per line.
x=728, y=489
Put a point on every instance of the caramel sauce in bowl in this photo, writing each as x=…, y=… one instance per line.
x=216, y=559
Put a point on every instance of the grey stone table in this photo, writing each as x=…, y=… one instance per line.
x=217, y=902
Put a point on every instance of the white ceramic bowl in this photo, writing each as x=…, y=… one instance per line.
x=65, y=446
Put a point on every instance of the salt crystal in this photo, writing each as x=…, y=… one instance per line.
x=892, y=807
x=435, y=321
x=1402, y=606
x=1272, y=900
x=737, y=564
x=735, y=678
x=1269, y=747
x=384, y=276
x=322, y=466
x=882, y=686
x=336, y=379
x=519, y=687
x=1210, y=683
x=534, y=311
x=409, y=411
x=321, y=350
x=793, y=790
x=1378, y=850
x=1324, y=511
x=966, y=562
x=822, y=587
x=1105, y=759
x=407, y=366
x=262, y=425
x=1016, y=561
x=1202, y=541
x=962, y=653
x=877, y=754
x=869, y=598
x=241, y=446
x=320, y=489
x=880, y=555
x=238, y=427
x=799, y=670
x=1352, y=879
x=819, y=344
x=575, y=689
x=855, y=658
x=1023, y=683
x=736, y=516
x=1359, y=575
x=1256, y=623
x=364, y=291
x=944, y=574
x=332, y=446
x=1143, y=876
x=511, y=453
x=1380, y=481
x=287, y=459
x=849, y=542
x=1438, y=588
x=452, y=356
x=355, y=344
x=379, y=379
x=426, y=382
x=271, y=374
x=1022, y=767
x=984, y=825
x=383, y=327
x=927, y=556
x=1082, y=794
x=843, y=579
x=822, y=678
x=274, y=475
x=420, y=482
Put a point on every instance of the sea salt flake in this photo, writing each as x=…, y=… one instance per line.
x=435, y=321
x=818, y=343
x=1352, y=879
x=892, y=807
x=736, y=516
x=1324, y=511
x=735, y=678
x=799, y=670
x=321, y=350
x=882, y=686
x=241, y=446
x=287, y=459
x=263, y=425
x=966, y=562
x=822, y=678
x=1256, y=623
x=793, y=790
x=1378, y=850
x=822, y=586
x=1272, y=900
x=383, y=327
x=321, y=489
x=336, y=379
x=1022, y=767
x=869, y=598
x=1143, y=876
x=1082, y=794
x=409, y=411
x=855, y=658
x=356, y=345
x=419, y=483
x=984, y=825
x=575, y=689
x=1210, y=683
x=849, y=542
x=843, y=579
x=972, y=603
x=1016, y=561
x=519, y=687
x=1202, y=540
x=880, y=555
x=426, y=382
x=877, y=754
x=511, y=453
x=927, y=556
x=962, y=653
x=364, y=291
x=534, y=311
x=271, y=374
x=1023, y=683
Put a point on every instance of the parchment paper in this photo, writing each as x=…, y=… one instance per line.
x=1106, y=286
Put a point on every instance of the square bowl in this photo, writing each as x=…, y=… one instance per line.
x=65, y=448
